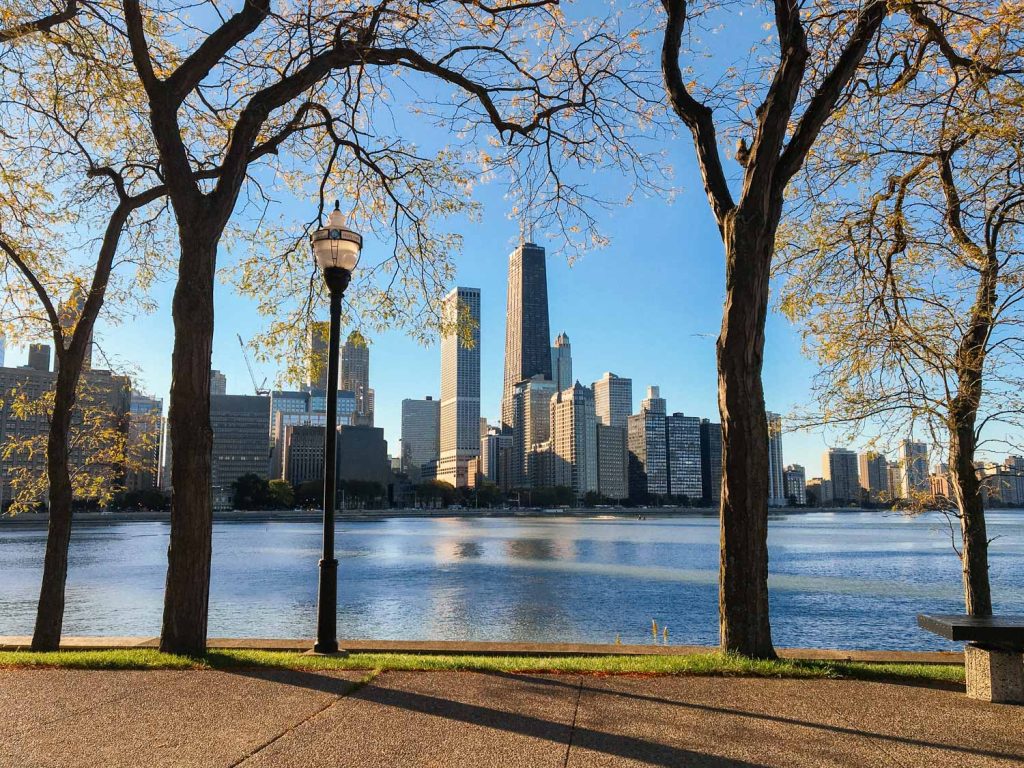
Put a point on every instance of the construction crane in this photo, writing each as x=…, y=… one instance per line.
x=260, y=389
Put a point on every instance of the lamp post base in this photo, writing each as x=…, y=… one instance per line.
x=327, y=609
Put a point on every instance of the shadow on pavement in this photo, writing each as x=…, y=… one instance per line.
x=616, y=745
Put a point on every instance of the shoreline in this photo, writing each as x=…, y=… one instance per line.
x=40, y=519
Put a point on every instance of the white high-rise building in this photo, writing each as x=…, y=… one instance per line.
x=613, y=400
x=421, y=435
x=648, y=461
x=776, y=482
x=561, y=363
x=460, y=389
x=574, y=439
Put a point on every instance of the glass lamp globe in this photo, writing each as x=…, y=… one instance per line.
x=335, y=245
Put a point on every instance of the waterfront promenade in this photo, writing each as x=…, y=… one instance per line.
x=250, y=717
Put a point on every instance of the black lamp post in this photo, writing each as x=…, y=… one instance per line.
x=336, y=249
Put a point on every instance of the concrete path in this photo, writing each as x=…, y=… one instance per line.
x=317, y=719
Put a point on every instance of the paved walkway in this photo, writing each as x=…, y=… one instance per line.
x=334, y=719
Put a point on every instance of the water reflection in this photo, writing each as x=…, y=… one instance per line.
x=852, y=580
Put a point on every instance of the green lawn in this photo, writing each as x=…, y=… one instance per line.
x=689, y=664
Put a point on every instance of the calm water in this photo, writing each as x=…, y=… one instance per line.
x=845, y=580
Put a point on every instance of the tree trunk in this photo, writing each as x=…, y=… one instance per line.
x=743, y=572
x=967, y=492
x=186, y=598
x=50, y=611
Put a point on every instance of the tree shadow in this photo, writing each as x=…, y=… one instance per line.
x=569, y=735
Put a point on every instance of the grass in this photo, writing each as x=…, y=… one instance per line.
x=708, y=664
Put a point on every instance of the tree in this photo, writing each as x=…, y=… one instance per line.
x=282, y=493
x=67, y=182
x=801, y=90
x=910, y=292
x=223, y=94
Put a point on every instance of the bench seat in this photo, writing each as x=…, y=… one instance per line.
x=993, y=656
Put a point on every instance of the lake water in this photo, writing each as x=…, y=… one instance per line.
x=842, y=580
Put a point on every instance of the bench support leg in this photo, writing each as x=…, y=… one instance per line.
x=994, y=675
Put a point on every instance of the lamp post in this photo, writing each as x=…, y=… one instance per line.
x=336, y=250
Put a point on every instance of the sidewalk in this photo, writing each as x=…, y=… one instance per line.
x=337, y=719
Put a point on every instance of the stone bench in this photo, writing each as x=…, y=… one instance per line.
x=993, y=656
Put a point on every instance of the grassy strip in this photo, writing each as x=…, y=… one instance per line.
x=689, y=664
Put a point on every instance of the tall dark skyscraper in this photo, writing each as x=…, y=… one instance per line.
x=527, y=332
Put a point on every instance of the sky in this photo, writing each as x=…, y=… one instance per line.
x=648, y=306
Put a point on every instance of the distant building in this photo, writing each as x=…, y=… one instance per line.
x=613, y=400
x=355, y=376
x=110, y=401
x=302, y=449
x=874, y=476
x=218, y=383
x=39, y=357
x=421, y=435
x=574, y=439
x=527, y=331
x=819, y=492
x=913, y=468
x=496, y=458
x=303, y=408
x=531, y=427
x=317, y=342
x=776, y=489
x=711, y=461
x=938, y=482
x=241, y=442
x=682, y=439
x=460, y=388
x=561, y=363
x=648, y=452
x=363, y=455
x=794, y=481
x=892, y=471
x=145, y=415
x=839, y=465
x=612, y=462
x=1000, y=486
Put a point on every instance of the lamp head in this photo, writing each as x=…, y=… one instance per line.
x=336, y=246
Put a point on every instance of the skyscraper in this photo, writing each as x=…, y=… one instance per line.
x=794, y=481
x=612, y=462
x=355, y=376
x=531, y=428
x=776, y=488
x=561, y=363
x=460, y=388
x=613, y=399
x=711, y=461
x=648, y=452
x=421, y=435
x=874, y=475
x=574, y=439
x=316, y=348
x=144, y=423
x=218, y=383
x=682, y=436
x=913, y=468
x=241, y=442
x=527, y=332
x=839, y=465
x=39, y=357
